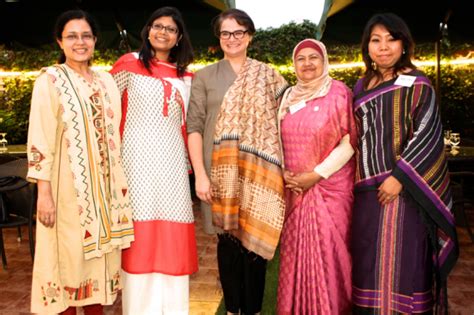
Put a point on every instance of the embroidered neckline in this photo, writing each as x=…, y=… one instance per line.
x=94, y=85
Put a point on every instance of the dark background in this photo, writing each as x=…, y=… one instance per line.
x=422, y=16
x=30, y=23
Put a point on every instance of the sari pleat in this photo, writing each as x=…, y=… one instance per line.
x=315, y=264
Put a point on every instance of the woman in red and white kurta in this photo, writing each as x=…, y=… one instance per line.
x=155, y=92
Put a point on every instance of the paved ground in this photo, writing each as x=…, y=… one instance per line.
x=15, y=282
x=205, y=292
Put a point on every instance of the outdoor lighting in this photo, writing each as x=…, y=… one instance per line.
x=36, y=73
x=442, y=34
x=463, y=61
x=18, y=73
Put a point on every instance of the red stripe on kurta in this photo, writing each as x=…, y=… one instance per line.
x=173, y=253
x=124, y=113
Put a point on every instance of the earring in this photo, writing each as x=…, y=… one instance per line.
x=177, y=44
x=403, y=51
x=374, y=65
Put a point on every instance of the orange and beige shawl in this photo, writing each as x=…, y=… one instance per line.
x=246, y=172
x=103, y=204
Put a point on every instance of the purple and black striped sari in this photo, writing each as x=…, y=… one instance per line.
x=396, y=247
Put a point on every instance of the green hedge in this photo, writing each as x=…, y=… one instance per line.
x=15, y=108
x=272, y=46
x=457, y=99
x=34, y=59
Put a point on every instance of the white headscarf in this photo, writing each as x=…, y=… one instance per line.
x=309, y=90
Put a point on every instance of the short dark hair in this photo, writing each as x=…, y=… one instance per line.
x=67, y=16
x=397, y=27
x=182, y=54
x=240, y=16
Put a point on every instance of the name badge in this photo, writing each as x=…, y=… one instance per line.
x=296, y=107
x=405, y=80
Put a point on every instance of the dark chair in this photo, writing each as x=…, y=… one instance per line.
x=17, y=202
x=461, y=184
x=5, y=158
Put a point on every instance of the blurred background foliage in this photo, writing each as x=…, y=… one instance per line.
x=273, y=46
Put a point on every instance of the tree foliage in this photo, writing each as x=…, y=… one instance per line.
x=274, y=46
x=15, y=108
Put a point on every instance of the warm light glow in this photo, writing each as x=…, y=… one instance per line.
x=36, y=73
x=451, y=62
x=283, y=68
x=418, y=63
x=18, y=73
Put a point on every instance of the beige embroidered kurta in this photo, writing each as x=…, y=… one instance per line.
x=62, y=277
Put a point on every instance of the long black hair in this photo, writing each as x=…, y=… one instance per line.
x=182, y=54
x=67, y=16
x=399, y=31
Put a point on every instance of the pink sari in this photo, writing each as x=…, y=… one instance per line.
x=315, y=264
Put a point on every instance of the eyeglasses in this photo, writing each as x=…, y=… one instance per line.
x=168, y=29
x=76, y=37
x=237, y=34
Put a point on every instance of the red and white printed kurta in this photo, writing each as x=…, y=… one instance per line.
x=156, y=165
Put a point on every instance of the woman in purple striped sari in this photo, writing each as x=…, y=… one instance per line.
x=403, y=236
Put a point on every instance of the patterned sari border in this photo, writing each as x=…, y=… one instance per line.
x=419, y=302
x=248, y=149
x=413, y=175
x=390, y=87
x=446, y=249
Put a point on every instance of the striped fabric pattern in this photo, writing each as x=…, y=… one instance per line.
x=400, y=134
x=103, y=201
x=418, y=303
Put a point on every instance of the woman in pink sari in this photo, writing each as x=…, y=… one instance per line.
x=318, y=136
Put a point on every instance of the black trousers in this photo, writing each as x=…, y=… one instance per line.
x=242, y=275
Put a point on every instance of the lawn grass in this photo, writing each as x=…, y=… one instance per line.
x=271, y=286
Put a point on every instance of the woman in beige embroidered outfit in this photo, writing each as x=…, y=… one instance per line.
x=74, y=156
x=233, y=117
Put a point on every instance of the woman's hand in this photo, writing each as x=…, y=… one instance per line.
x=389, y=190
x=203, y=188
x=202, y=183
x=300, y=182
x=45, y=208
x=289, y=181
